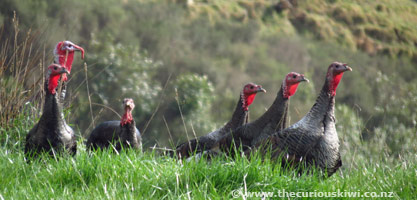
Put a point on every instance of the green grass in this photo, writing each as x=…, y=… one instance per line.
x=150, y=175
x=133, y=175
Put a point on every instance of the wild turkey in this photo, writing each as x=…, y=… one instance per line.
x=120, y=134
x=313, y=140
x=51, y=134
x=274, y=119
x=239, y=118
x=64, y=55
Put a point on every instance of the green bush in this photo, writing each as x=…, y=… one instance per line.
x=195, y=93
x=122, y=71
x=194, y=100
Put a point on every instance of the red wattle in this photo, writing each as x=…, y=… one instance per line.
x=126, y=118
x=53, y=83
x=248, y=100
x=291, y=89
x=335, y=83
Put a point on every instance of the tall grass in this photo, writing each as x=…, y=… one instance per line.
x=21, y=95
x=132, y=175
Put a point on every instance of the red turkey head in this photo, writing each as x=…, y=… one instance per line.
x=128, y=105
x=290, y=83
x=53, y=74
x=248, y=94
x=334, y=75
x=64, y=54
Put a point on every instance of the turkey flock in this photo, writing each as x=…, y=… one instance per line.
x=312, y=141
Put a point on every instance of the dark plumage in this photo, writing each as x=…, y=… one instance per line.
x=274, y=119
x=117, y=133
x=51, y=134
x=239, y=118
x=313, y=140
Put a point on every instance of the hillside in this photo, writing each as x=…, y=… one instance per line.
x=382, y=27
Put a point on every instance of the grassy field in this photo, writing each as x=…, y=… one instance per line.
x=132, y=175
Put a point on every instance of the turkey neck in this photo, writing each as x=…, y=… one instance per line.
x=65, y=60
x=276, y=115
x=239, y=116
x=128, y=133
x=52, y=111
x=324, y=105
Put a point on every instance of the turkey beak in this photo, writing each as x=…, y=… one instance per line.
x=130, y=105
x=260, y=89
x=347, y=68
x=78, y=48
x=63, y=70
x=304, y=79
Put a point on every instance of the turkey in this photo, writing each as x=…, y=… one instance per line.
x=313, y=140
x=274, y=119
x=51, y=134
x=64, y=55
x=239, y=118
x=120, y=134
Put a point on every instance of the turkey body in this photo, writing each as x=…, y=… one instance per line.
x=313, y=140
x=207, y=142
x=239, y=118
x=51, y=134
x=112, y=133
x=247, y=135
x=274, y=119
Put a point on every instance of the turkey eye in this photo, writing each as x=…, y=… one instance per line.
x=294, y=76
x=251, y=87
x=69, y=46
x=55, y=68
x=337, y=66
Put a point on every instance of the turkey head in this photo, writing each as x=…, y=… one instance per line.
x=53, y=74
x=128, y=105
x=248, y=94
x=334, y=75
x=291, y=82
x=64, y=54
